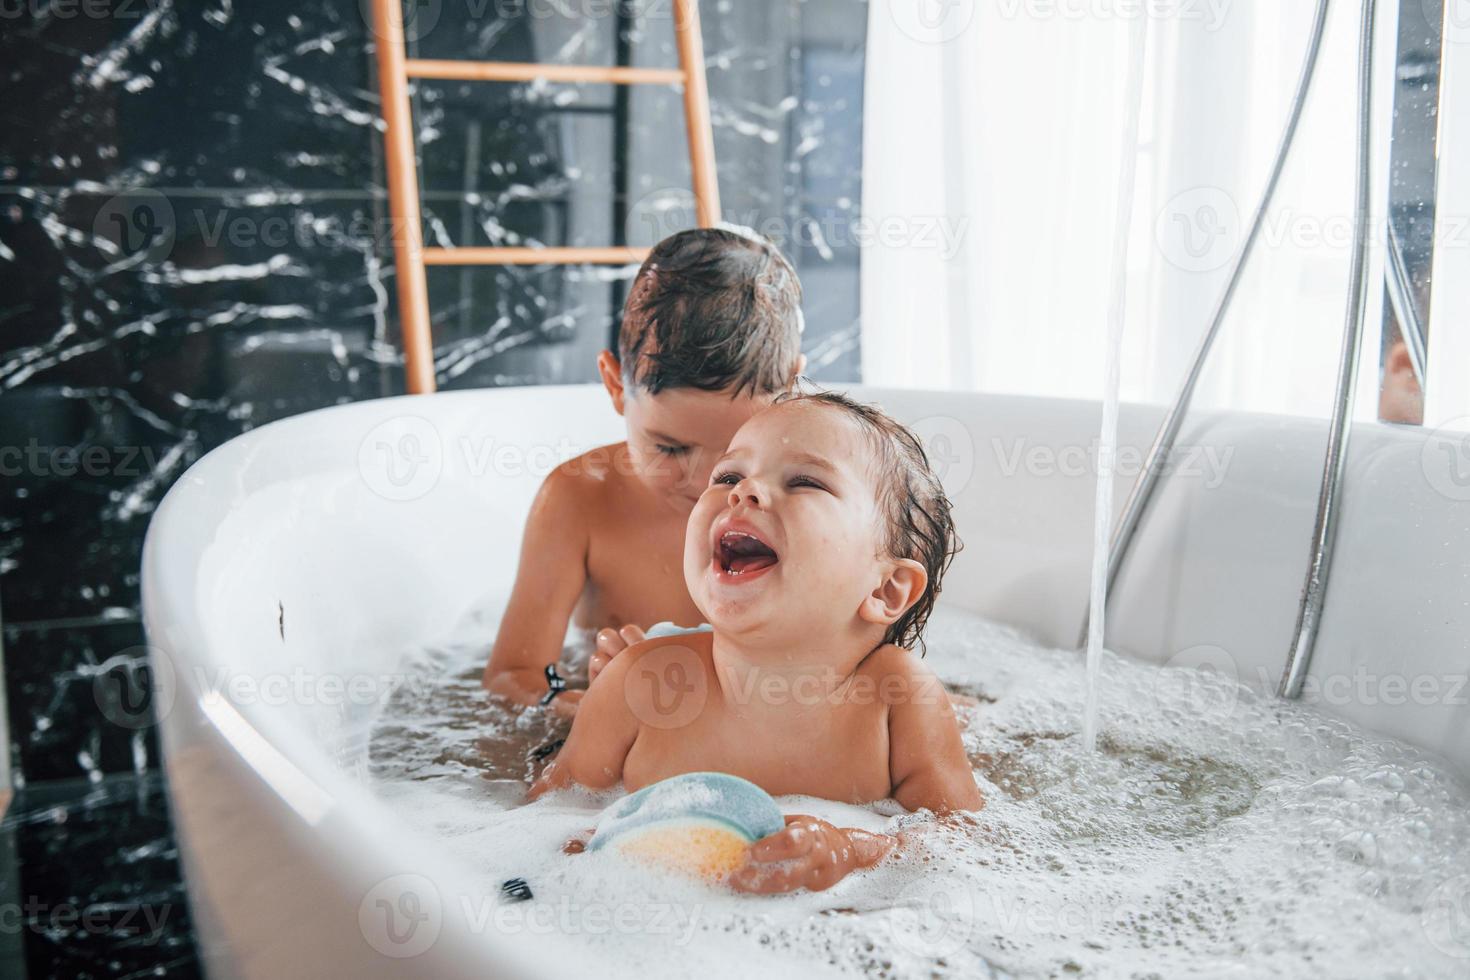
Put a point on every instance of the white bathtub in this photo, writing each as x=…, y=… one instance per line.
x=309, y=553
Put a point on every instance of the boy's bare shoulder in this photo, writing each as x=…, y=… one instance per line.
x=593, y=468
x=582, y=480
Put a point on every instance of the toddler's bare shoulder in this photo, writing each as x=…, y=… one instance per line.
x=902, y=677
x=670, y=658
x=699, y=644
x=663, y=682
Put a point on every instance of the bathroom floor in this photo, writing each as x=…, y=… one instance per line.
x=90, y=884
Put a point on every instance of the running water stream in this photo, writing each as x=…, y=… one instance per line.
x=1107, y=442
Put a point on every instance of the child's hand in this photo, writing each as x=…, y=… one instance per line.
x=610, y=643
x=809, y=853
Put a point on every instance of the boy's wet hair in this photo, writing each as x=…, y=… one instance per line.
x=712, y=309
x=916, y=511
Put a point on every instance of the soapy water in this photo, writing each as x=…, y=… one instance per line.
x=1215, y=833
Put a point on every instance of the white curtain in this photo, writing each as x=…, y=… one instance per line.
x=992, y=140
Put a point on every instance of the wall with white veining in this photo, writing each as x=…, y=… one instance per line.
x=194, y=241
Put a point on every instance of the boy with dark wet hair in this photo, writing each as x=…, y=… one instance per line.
x=711, y=334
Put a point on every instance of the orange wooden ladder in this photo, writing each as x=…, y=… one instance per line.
x=410, y=256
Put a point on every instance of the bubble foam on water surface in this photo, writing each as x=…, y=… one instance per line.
x=1216, y=833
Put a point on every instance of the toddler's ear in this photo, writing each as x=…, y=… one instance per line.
x=900, y=589
x=611, y=372
x=800, y=370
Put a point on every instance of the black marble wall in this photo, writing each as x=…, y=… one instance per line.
x=193, y=242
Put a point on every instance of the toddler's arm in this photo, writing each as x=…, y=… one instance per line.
x=552, y=573
x=926, y=758
x=602, y=735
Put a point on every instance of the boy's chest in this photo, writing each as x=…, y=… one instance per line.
x=635, y=572
x=844, y=759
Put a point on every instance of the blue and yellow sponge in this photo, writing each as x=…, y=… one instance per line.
x=701, y=823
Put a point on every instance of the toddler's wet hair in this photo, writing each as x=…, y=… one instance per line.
x=916, y=512
x=712, y=309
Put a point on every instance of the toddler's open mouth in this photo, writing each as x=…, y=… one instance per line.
x=740, y=555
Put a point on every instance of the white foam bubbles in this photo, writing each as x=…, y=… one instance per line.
x=1248, y=838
